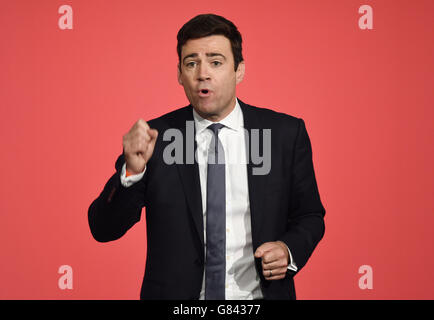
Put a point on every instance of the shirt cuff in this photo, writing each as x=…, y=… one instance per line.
x=291, y=266
x=132, y=179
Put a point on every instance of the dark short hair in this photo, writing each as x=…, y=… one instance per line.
x=205, y=25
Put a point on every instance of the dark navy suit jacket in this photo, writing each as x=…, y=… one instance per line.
x=285, y=205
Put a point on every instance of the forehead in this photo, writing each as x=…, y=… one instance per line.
x=214, y=43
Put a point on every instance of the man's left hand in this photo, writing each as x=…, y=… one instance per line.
x=275, y=259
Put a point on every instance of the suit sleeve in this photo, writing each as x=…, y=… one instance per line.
x=306, y=213
x=117, y=208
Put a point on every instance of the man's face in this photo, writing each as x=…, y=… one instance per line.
x=208, y=76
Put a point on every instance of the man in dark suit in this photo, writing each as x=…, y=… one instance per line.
x=233, y=229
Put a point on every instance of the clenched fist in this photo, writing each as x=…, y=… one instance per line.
x=275, y=259
x=139, y=145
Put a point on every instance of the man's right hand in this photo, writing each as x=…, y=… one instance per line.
x=139, y=145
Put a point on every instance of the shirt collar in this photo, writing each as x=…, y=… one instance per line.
x=234, y=120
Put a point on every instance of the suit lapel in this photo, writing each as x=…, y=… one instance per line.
x=189, y=172
x=257, y=184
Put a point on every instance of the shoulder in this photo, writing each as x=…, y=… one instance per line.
x=270, y=118
x=172, y=119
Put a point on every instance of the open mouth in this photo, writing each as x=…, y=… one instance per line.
x=204, y=93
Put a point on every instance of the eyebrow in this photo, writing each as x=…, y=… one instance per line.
x=210, y=54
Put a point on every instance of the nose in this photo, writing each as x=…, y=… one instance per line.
x=203, y=72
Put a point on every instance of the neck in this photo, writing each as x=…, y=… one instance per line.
x=216, y=117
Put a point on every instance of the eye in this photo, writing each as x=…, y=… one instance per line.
x=216, y=63
x=190, y=64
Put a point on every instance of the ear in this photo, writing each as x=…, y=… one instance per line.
x=179, y=75
x=239, y=74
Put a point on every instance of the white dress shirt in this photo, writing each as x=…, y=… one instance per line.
x=242, y=279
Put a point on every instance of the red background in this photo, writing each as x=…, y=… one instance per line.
x=68, y=96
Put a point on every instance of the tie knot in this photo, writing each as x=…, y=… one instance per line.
x=215, y=127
